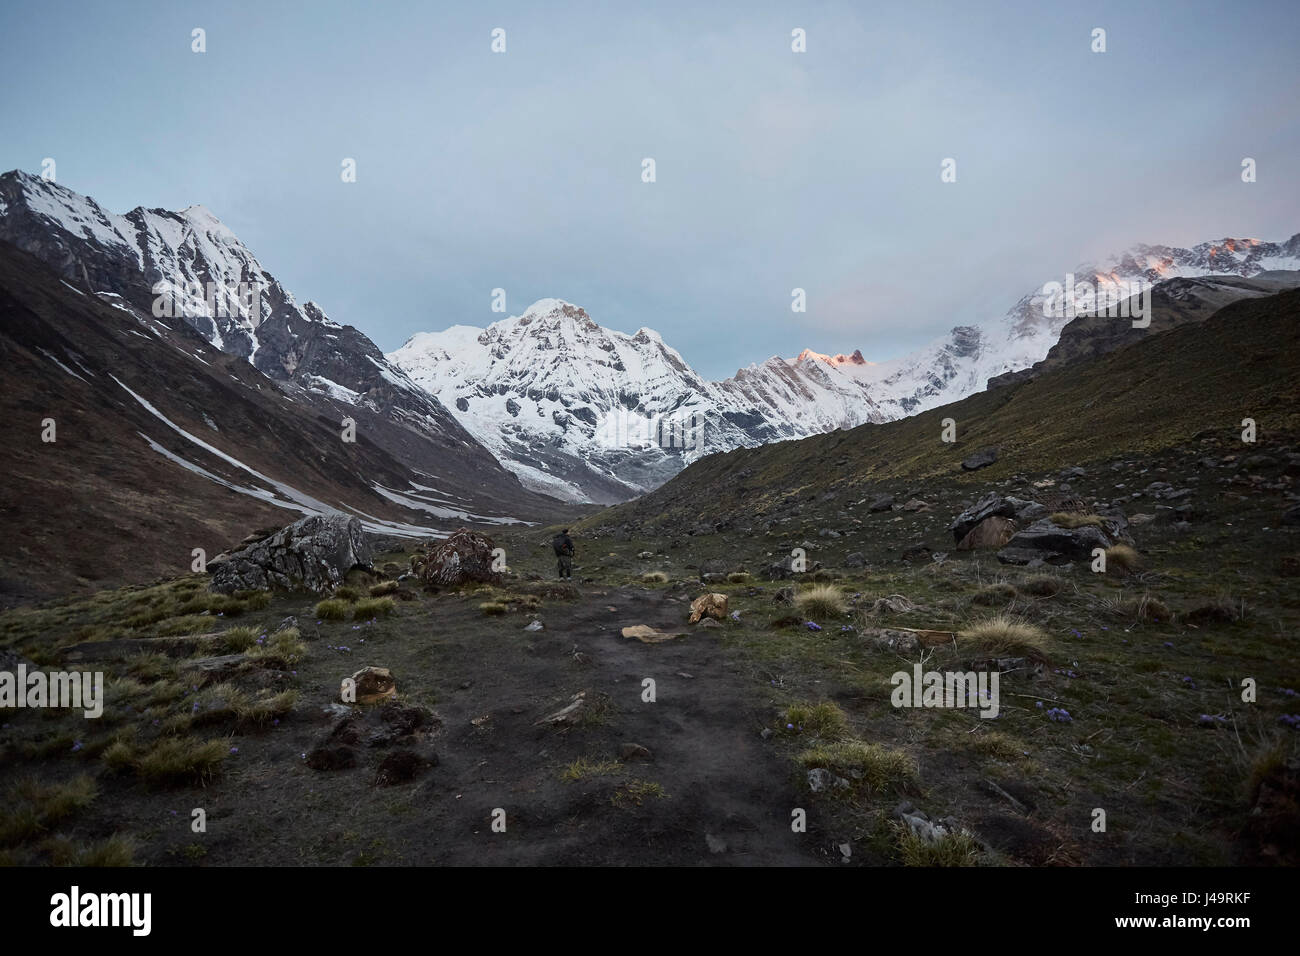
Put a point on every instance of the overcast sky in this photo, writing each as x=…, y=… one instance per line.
x=775, y=169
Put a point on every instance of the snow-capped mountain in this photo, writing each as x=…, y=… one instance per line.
x=541, y=389
x=185, y=280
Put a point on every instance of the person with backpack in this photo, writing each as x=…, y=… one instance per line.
x=563, y=546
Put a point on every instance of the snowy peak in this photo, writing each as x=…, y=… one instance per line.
x=808, y=355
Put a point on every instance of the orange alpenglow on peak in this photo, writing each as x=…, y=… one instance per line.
x=841, y=359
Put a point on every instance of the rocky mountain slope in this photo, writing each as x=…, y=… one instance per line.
x=173, y=269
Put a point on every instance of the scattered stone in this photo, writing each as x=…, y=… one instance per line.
x=882, y=503
x=886, y=639
x=644, y=555
x=708, y=622
x=312, y=554
x=855, y=559
x=981, y=459
x=916, y=504
x=894, y=604
x=648, y=635
x=373, y=684
x=712, y=605
x=819, y=779
x=535, y=626
x=566, y=714
x=630, y=751
x=783, y=596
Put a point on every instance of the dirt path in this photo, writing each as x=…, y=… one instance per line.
x=728, y=798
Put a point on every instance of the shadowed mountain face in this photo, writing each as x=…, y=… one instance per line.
x=1199, y=378
x=163, y=444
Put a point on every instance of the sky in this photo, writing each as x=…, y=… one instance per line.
x=774, y=170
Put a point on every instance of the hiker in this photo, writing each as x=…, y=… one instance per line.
x=563, y=546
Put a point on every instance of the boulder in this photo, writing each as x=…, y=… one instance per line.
x=855, y=559
x=981, y=459
x=989, y=506
x=312, y=554
x=1053, y=544
x=883, y=503
x=708, y=605
x=466, y=556
x=993, y=532
x=916, y=504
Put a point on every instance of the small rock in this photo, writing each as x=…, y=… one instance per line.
x=630, y=751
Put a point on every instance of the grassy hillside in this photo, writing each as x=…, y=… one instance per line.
x=1241, y=363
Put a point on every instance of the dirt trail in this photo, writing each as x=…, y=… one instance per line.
x=728, y=797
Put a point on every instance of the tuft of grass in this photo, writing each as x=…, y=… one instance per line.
x=865, y=765
x=654, y=577
x=635, y=792
x=180, y=760
x=384, y=588
x=953, y=849
x=333, y=609
x=118, y=756
x=995, y=594
x=1002, y=634
x=582, y=768
x=820, y=603
x=1041, y=585
x=117, y=850
x=1146, y=608
x=1067, y=519
x=492, y=608
x=236, y=640
x=347, y=593
x=32, y=806
x=1121, y=557
x=188, y=624
x=996, y=744
x=1219, y=610
x=258, y=600
x=283, y=649
x=370, y=608
x=739, y=577
x=823, y=720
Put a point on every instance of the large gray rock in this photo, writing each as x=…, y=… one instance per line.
x=981, y=459
x=1051, y=542
x=313, y=554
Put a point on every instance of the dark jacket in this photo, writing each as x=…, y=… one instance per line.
x=562, y=544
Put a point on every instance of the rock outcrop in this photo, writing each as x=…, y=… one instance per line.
x=312, y=554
